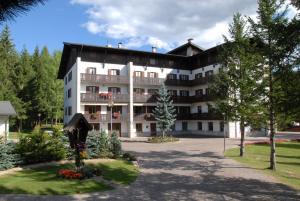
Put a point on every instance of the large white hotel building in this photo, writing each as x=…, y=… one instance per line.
x=93, y=75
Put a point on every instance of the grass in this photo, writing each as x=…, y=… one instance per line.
x=43, y=181
x=288, y=160
x=160, y=139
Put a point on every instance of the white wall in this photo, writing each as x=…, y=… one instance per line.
x=3, y=122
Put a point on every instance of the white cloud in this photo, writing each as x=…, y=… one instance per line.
x=163, y=23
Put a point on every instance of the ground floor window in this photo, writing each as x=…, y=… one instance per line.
x=221, y=126
x=210, y=126
x=199, y=126
x=139, y=128
x=184, y=126
x=69, y=110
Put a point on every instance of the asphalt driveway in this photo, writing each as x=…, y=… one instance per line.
x=192, y=169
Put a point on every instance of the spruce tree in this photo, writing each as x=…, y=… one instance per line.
x=236, y=87
x=164, y=111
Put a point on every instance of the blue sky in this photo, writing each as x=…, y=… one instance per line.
x=138, y=24
x=52, y=24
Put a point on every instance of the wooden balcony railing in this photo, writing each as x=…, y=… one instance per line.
x=96, y=98
x=104, y=79
x=98, y=118
x=119, y=79
x=199, y=116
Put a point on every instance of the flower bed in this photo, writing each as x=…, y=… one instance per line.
x=69, y=174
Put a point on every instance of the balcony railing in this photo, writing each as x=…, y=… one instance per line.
x=144, y=117
x=202, y=98
x=97, y=118
x=148, y=81
x=97, y=98
x=199, y=116
x=119, y=79
x=104, y=79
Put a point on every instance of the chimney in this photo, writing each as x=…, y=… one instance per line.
x=190, y=40
x=119, y=45
x=153, y=49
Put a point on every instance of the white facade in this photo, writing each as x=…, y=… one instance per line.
x=128, y=126
x=4, y=126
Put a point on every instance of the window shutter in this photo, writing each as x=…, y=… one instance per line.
x=86, y=109
x=98, y=109
x=142, y=74
x=97, y=89
x=109, y=72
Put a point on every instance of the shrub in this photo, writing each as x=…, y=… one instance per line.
x=8, y=156
x=41, y=147
x=115, y=145
x=104, y=150
x=93, y=145
x=129, y=157
x=161, y=139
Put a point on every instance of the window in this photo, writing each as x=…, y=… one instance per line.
x=184, y=126
x=115, y=109
x=199, y=109
x=199, y=92
x=209, y=108
x=138, y=74
x=113, y=72
x=92, y=109
x=139, y=90
x=69, y=110
x=66, y=111
x=171, y=76
x=199, y=126
x=210, y=126
x=206, y=91
x=139, y=128
x=209, y=73
x=184, y=93
x=66, y=80
x=172, y=92
x=92, y=89
x=69, y=93
x=114, y=90
x=183, y=77
x=152, y=74
x=152, y=61
x=221, y=126
x=91, y=70
x=198, y=75
x=184, y=110
x=152, y=91
x=70, y=76
x=173, y=127
x=171, y=62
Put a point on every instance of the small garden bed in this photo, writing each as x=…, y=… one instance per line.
x=258, y=156
x=45, y=181
x=160, y=139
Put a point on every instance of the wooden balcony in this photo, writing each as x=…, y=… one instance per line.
x=144, y=117
x=103, y=79
x=141, y=81
x=202, y=98
x=96, y=98
x=202, y=80
x=98, y=118
x=199, y=116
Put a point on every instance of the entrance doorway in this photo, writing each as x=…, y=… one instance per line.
x=116, y=127
x=153, y=129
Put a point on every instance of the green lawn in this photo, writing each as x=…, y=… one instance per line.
x=288, y=160
x=43, y=181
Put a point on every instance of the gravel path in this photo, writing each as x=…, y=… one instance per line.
x=192, y=169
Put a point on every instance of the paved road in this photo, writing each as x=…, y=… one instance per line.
x=192, y=169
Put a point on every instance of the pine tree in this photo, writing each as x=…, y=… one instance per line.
x=272, y=31
x=164, y=111
x=236, y=86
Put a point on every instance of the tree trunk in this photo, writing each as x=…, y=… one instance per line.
x=163, y=134
x=272, y=122
x=242, y=130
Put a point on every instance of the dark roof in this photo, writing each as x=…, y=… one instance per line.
x=6, y=109
x=78, y=118
x=185, y=46
x=104, y=54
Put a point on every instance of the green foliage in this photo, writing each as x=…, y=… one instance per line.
x=93, y=145
x=115, y=145
x=103, y=144
x=41, y=147
x=164, y=111
x=8, y=157
x=30, y=83
x=129, y=157
x=161, y=139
